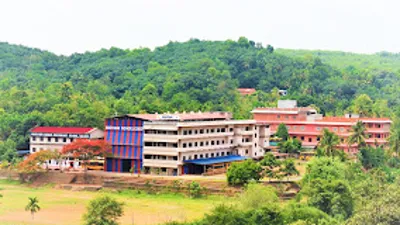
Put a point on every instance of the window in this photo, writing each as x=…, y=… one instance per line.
x=335, y=129
x=195, y=144
x=247, y=151
x=286, y=117
x=212, y=142
x=255, y=135
x=190, y=157
x=41, y=139
x=318, y=128
x=294, y=127
x=195, y=131
x=378, y=125
x=64, y=140
x=342, y=140
x=217, y=142
x=190, y=132
x=302, y=128
x=201, y=156
x=294, y=117
x=218, y=130
x=190, y=144
x=206, y=155
x=212, y=155
x=228, y=153
x=33, y=138
x=56, y=139
x=201, y=143
x=217, y=154
x=255, y=144
x=49, y=139
x=207, y=143
x=288, y=127
x=195, y=156
x=341, y=129
x=222, y=153
x=302, y=138
x=33, y=149
x=223, y=142
x=207, y=131
x=231, y=129
x=175, y=158
x=278, y=116
x=309, y=139
x=232, y=141
x=222, y=129
x=294, y=137
x=184, y=145
x=185, y=132
x=378, y=136
x=201, y=131
x=318, y=138
x=71, y=139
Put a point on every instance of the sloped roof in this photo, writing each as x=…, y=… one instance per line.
x=62, y=130
x=221, y=159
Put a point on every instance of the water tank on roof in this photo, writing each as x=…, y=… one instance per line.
x=287, y=103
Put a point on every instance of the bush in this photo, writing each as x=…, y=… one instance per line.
x=194, y=190
x=257, y=195
x=240, y=173
x=103, y=210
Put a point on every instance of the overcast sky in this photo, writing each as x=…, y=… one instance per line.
x=68, y=26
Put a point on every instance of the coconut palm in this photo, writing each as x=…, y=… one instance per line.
x=33, y=206
x=329, y=142
x=357, y=135
x=394, y=137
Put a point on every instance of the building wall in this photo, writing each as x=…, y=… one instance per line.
x=126, y=138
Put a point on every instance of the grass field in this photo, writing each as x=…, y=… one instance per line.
x=67, y=207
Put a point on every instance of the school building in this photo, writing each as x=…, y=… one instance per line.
x=306, y=124
x=182, y=143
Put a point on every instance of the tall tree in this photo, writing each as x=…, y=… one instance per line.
x=85, y=149
x=329, y=142
x=33, y=206
x=358, y=135
x=282, y=132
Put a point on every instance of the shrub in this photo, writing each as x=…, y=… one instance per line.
x=103, y=210
x=194, y=190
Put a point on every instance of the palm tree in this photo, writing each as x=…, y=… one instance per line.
x=358, y=135
x=329, y=142
x=394, y=137
x=33, y=206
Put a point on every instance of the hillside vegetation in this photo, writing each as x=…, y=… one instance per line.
x=41, y=88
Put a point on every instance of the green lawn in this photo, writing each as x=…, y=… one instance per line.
x=66, y=207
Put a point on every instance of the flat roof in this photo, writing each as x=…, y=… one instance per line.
x=62, y=130
x=190, y=116
x=221, y=159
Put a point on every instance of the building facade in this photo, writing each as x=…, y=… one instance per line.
x=168, y=141
x=306, y=125
x=54, y=138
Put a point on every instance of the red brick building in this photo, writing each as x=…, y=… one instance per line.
x=306, y=125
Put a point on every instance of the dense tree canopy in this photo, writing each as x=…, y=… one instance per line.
x=41, y=88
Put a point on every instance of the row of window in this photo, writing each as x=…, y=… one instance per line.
x=206, y=155
x=161, y=157
x=286, y=117
x=161, y=144
x=203, y=143
x=49, y=139
x=165, y=132
x=206, y=131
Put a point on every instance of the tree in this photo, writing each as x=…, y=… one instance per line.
x=332, y=197
x=329, y=142
x=240, y=173
x=85, y=149
x=194, y=190
x=257, y=195
x=103, y=210
x=226, y=215
x=33, y=206
x=290, y=146
x=362, y=105
x=372, y=157
x=288, y=168
x=394, y=137
x=269, y=164
x=35, y=160
x=325, y=168
x=357, y=135
x=282, y=132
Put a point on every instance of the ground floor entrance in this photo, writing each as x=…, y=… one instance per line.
x=122, y=165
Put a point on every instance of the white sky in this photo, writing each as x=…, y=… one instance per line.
x=68, y=26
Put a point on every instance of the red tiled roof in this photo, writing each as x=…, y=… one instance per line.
x=185, y=116
x=246, y=91
x=62, y=130
x=298, y=109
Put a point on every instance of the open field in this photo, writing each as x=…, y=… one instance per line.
x=67, y=207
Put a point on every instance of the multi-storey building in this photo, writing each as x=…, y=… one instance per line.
x=54, y=138
x=306, y=125
x=171, y=143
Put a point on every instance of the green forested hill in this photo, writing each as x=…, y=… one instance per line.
x=40, y=88
x=342, y=60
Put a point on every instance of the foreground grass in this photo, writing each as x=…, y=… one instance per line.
x=67, y=207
